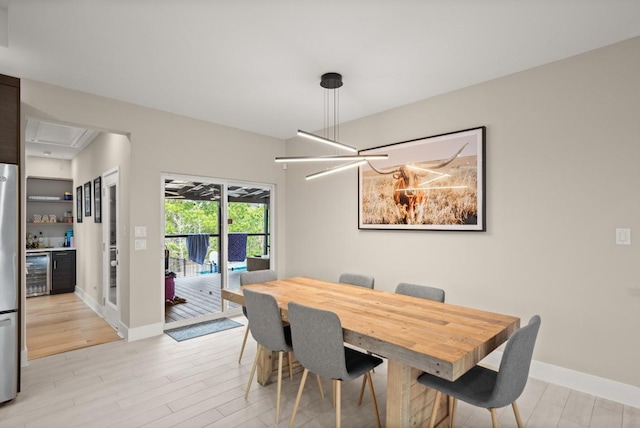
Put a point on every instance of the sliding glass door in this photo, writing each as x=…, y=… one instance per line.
x=214, y=230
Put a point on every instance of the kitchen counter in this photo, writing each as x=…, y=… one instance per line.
x=39, y=250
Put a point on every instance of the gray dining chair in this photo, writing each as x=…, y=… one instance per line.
x=267, y=329
x=421, y=291
x=318, y=344
x=253, y=277
x=356, y=279
x=487, y=388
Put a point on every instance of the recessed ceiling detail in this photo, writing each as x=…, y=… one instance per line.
x=56, y=140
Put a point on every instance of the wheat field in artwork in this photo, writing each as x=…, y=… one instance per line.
x=446, y=197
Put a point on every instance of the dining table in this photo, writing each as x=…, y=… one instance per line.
x=415, y=335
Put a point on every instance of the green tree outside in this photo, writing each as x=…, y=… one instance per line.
x=184, y=217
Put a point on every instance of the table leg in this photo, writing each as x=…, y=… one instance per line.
x=408, y=402
x=267, y=368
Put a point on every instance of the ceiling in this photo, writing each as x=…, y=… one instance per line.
x=256, y=65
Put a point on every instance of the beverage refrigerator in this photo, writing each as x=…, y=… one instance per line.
x=9, y=282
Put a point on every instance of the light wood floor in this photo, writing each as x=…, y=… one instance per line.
x=158, y=382
x=61, y=323
x=202, y=293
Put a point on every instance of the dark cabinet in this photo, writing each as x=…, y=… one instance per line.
x=9, y=120
x=63, y=272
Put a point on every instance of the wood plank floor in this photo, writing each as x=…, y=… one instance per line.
x=202, y=293
x=158, y=382
x=63, y=322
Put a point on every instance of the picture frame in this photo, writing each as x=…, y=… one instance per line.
x=430, y=183
x=79, y=204
x=87, y=199
x=97, y=200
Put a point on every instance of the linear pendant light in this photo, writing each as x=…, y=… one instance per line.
x=330, y=158
x=331, y=81
x=320, y=139
x=336, y=169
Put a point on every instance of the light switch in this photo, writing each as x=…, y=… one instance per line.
x=623, y=236
x=141, y=244
x=140, y=231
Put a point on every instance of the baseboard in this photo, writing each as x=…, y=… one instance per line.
x=139, y=333
x=89, y=301
x=583, y=382
x=24, y=357
x=97, y=308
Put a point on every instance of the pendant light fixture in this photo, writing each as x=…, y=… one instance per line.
x=331, y=82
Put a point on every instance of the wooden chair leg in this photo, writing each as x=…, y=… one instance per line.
x=333, y=385
x=373, y=398
x=338, y=389
x=434, y=409
x=453, y=404
x=494, y=418
x=295, y=406
x=364, y=383
x=279, y=393
x=516, y=412
x=291, y=366
x=320, y=386
x=253, y=371
x=244, y=342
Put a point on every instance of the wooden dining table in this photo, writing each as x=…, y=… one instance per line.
x=415, y=335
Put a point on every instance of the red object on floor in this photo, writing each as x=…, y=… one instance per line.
x=169, y=287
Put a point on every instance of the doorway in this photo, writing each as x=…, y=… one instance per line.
x=212, y=228
x=50, y=152
x=110, y=248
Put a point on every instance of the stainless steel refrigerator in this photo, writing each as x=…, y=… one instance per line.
x=9, y=282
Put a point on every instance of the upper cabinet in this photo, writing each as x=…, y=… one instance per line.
x=9, y=119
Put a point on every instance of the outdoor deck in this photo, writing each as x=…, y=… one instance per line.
x=202, y=293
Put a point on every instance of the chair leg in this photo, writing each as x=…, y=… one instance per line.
x=516, y=412
x=434, y=409
x=244, y=342
x=291, y=366
x=320, y=386
x=279, y=393
x=300, y=388
x=453, y=403
x=253, y=371
x=494, y=418
x=338, y=389
x=373, y=398
x=333, y=385
x=364, y=383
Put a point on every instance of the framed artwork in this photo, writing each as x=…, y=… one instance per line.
x=87, y=199
x=431, y=183
x=79, y=204
x=97, y=200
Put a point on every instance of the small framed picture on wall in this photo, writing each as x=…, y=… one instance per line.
x=97, y=200
x=87, y=199
x=79, y=204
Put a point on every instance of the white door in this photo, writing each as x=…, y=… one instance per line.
x=110, y=248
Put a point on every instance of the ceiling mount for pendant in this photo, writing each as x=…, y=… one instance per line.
x=331, y=80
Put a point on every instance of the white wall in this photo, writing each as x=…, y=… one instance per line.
x=563, y=156
x=46, y=167
x=107, y=152
x=161, y=142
